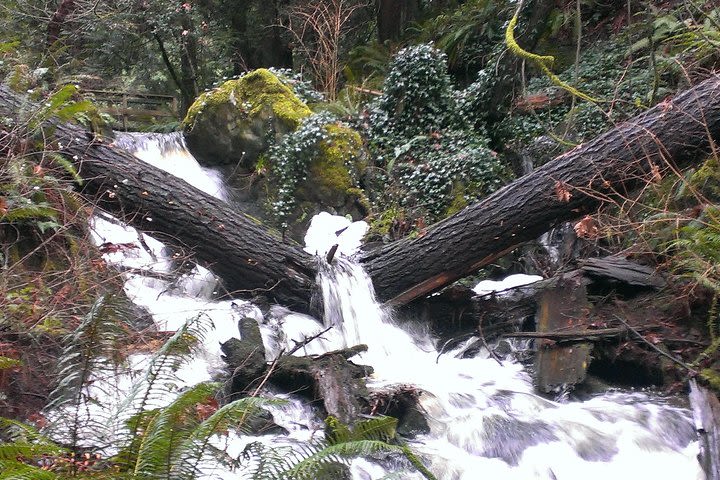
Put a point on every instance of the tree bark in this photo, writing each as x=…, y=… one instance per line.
x=249, y=257
x=673, y=133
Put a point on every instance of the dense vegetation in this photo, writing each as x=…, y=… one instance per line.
x=440, y=102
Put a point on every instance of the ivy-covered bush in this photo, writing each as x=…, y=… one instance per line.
x=417, y=95
x=432, y=156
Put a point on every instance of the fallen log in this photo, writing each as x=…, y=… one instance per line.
x=673, y=133
x=250, y=258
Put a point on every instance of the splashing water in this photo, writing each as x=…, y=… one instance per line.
x=484, y=419
x=168, y=152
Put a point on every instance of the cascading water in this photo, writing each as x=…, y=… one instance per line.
x=485, y=421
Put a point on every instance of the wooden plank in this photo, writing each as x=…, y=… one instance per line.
x=623, y=270
x=135, y=112
x=563, y=308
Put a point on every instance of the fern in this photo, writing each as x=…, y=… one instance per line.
x=158, y=378
x=88, y=350
x=20, y=444
x=316, y=461
x=67, y=166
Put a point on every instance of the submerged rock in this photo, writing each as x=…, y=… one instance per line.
x=233, y=123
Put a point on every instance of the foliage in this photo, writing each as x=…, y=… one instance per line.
x=468, y=33
x=417, y=95
x=89, y=351
x=321, y=145
x=323, y=460
x=299, y=85
x=625, y=88
x=543, y=62
x=433, y=157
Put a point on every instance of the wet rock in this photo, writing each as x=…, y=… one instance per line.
x=263, y=423
x=330, y=379
x=402, y=403
x=245, y=357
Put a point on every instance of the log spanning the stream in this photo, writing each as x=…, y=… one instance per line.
x=645, y=147
x=251, y=259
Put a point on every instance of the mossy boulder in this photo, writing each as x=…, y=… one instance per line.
x=235, y=122
x=332, y=179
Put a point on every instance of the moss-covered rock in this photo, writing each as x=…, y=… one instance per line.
x=235, y=122
x=331, y=183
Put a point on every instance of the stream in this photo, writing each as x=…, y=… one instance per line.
x=485, y=419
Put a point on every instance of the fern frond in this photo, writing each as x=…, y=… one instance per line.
x=88, y=351
x=165, y=433
x=21, y=471
x=233, y=415
x=67, y=166
x=378, y=428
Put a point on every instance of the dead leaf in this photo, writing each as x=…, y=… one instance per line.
x=587, y=228
x=655, y=172
x=562, y=191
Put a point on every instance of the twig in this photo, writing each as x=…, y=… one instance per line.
x=664, y=354
x=484, y=342
x=302, y=343
x=575, y=335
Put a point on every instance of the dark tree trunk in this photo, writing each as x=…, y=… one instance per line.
x=251, y=259
x=57, y=21
x=569, y=186
x=393, y=16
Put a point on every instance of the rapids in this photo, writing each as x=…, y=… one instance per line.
x=485, y=419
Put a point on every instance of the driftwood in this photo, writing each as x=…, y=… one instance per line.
x=330, y=378
x=623, y=270
x=675, y=132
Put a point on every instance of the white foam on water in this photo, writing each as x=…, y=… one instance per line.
x=486, y=287
x=485, y=419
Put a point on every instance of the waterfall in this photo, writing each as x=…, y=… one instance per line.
x=485, y=421
x=484, y=416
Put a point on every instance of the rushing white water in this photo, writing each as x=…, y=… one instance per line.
x=485, y=421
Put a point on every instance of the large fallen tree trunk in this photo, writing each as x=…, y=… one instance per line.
x=245, y=254
x=569, y=186
x=250, y=258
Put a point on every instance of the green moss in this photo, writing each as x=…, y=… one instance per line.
x=458, y=200
x=339, y=156
x=707, y=179
x=712, y=377
x=251, y=94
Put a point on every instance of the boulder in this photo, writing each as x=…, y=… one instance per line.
x=235, y=122
x=331, y=183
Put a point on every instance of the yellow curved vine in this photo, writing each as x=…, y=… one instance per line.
x=544, y=62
